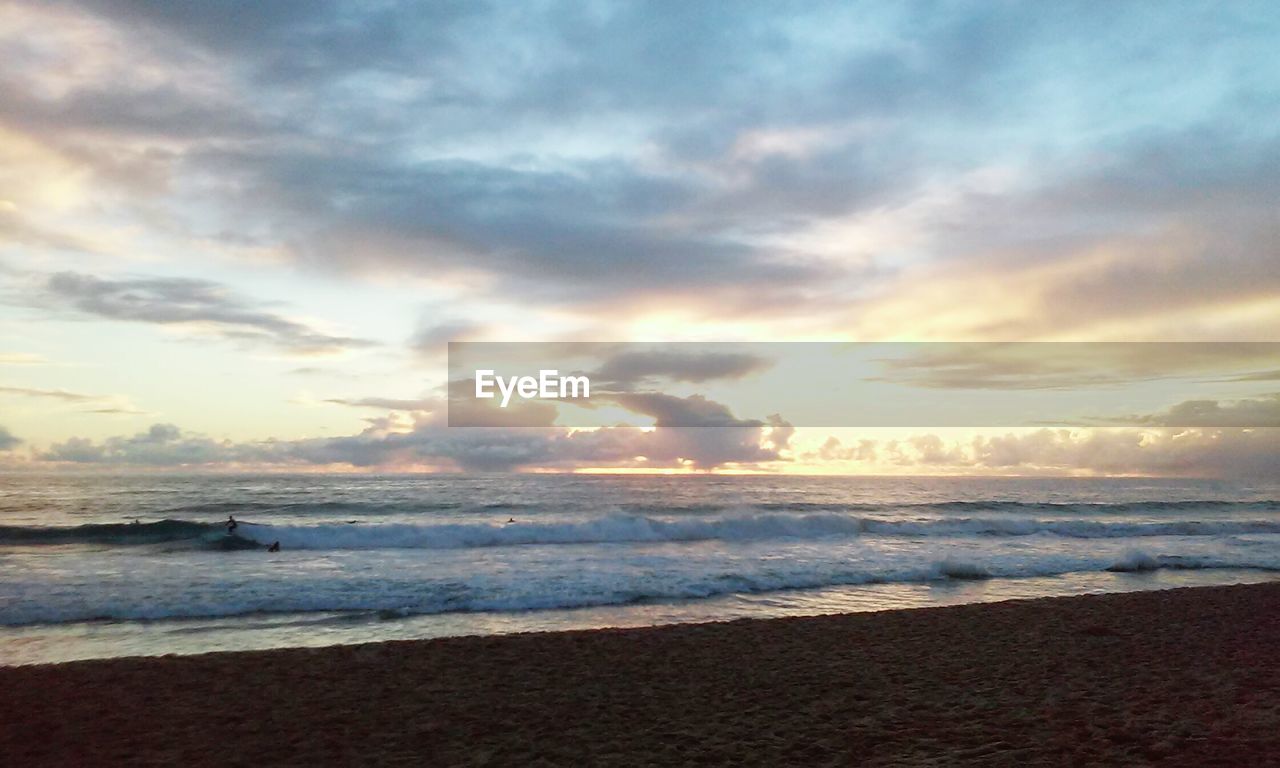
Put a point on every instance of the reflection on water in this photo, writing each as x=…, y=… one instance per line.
x=105, y=639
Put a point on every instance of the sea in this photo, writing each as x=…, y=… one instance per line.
x=97, y=565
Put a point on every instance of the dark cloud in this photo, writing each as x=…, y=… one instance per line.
x=627, y=369
x=321, y=143
x=164, y=113
x=1245, y=413
x=192, y=303
x=598, y=230
x=625, y=157
x=671, y=411
x=295, y=42
x=163, y=445
x=622, y=369
x=7, y=441
x=466, y=410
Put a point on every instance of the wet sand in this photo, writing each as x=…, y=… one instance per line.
x=1185, y=677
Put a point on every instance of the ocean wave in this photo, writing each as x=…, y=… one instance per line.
x=620, y=529
x=106, y=533
x=1014, y=507
x=636, y=529
x=1076, y=529
x=401, y=599
x=359, y=508
x=1124, y=507
x=308, y=507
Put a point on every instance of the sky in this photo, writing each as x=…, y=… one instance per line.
x=239, y=235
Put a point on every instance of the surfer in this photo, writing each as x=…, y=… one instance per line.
x=511, y=519
x=231, y=525
x=275, y=547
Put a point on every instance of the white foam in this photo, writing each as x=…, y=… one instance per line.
x=195, y=583
x=1135, y=560
x=735, y=528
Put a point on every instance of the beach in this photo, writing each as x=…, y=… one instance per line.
x=1175, y=677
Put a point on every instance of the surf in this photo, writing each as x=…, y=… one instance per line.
x=607, y=529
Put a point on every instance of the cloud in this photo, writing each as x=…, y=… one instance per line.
x=19, y=358
x=1064, y=365
x=600, y=231
x=1245, y=413
x=53, y=394
x=16, y=229
x=331, y=372
x=620, y=371
x=386, y=403
x=625, y=370
x=466, y=410
x=1204, y=452
x=428, y=441
x=834, y=450
x=630, y=158
x=527, y=178
x=671, y=411
x=119, y=411
x=1226, y=452
x=830, y=171
x=104, y=404
x=432, y=341
x=1257, y=376
x=163, y=445
x=1161, y=237
x=196, y=304
x=7, y=441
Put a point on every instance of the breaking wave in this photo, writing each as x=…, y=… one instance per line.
x=395, y=598
x=628, y=529
x=620, y=529
x=106, y=533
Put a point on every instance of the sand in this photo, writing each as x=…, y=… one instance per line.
x=1181, y=677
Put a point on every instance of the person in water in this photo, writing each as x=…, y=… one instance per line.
x=231, y=524
x=275, y=547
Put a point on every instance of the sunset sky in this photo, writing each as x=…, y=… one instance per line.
x=242, y=239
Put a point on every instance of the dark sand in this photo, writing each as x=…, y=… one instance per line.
x=1184, y=677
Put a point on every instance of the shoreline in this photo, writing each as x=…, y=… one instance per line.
x=24, y=645
x=1175, y=677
